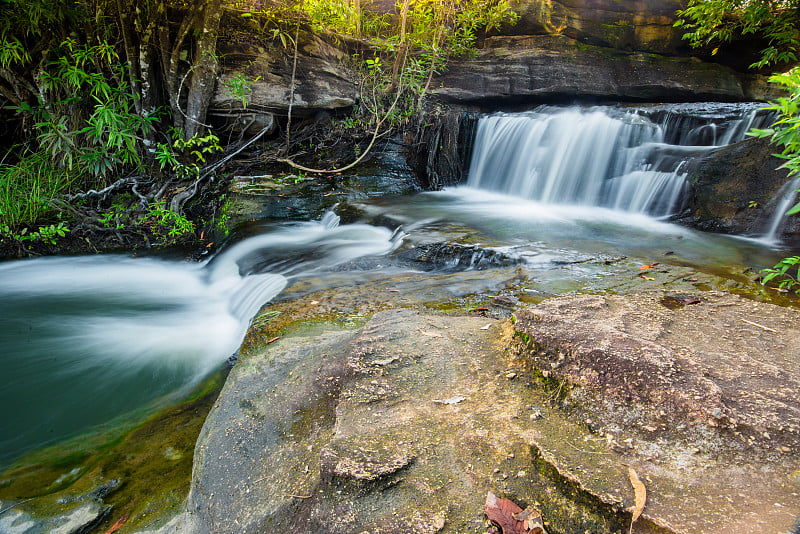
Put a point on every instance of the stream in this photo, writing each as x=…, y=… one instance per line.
x=567, y=195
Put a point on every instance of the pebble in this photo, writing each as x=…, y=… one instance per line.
x=511, y=376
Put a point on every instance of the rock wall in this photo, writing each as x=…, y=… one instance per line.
x=645, y=25
x=559, y=50
x=534, y=69
x=736, y=190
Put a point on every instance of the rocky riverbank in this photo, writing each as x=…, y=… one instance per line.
x=405, y=423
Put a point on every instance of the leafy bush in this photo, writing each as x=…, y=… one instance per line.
x=712, y=22
x=28, y=189
x=785, y=132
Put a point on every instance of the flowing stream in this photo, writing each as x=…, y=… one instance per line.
x=84, y=340
x=564, y=192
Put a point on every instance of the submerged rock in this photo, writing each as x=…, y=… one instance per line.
x=452, y=256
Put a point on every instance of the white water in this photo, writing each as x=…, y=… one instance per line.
x=84, y=340
x=784, y=200
x=605, y=157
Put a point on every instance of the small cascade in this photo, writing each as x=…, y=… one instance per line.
x=707, y=124
x=626, y=159
x=784, y=200
x=88, y=339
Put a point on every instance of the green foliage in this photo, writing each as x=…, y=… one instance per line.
x=783, y=270
x=240, y=87
x=85, y=116
x=163, y=221
x=157, y=218
x=28, y=189
x=715, y=22
x=224, y=216
x=342, y=17
x=454, y=26
x=45, y=234
x=785, y=132
x=185, y=156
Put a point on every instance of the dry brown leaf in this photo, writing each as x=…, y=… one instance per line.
x=640, y=495
x=116, y=526
x=502, y=512
x=531, y=519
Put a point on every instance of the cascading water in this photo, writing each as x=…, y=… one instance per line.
x=607, y=157
x=84, y=340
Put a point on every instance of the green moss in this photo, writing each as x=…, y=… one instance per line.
x=142, y=471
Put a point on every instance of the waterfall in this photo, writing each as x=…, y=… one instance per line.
x=784, y=199
x=625, y=159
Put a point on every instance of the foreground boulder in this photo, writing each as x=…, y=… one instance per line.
x=406, y=424
x=698, y=392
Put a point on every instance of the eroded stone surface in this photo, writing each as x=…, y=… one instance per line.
x=556, y=67
x=699, y=392
x=405, y=424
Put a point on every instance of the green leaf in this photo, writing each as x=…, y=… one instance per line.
x=794, y=210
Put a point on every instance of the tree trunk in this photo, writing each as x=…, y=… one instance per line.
x=401, y=50
x=204, y=73
x=357, y=12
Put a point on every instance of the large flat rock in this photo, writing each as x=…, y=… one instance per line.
x=405, y=424
x=698, y=392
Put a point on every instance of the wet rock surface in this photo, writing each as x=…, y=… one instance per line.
x=736, y=190
x=82, y=518
x=699, y=392
x=405, y=424
x=450, y=256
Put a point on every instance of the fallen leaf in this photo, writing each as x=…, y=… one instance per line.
x=531, y=518
x=640, y=496
x=649, y=265
x=429, y=334
x=648, y=278
x=501, y=512
x=116, y=526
